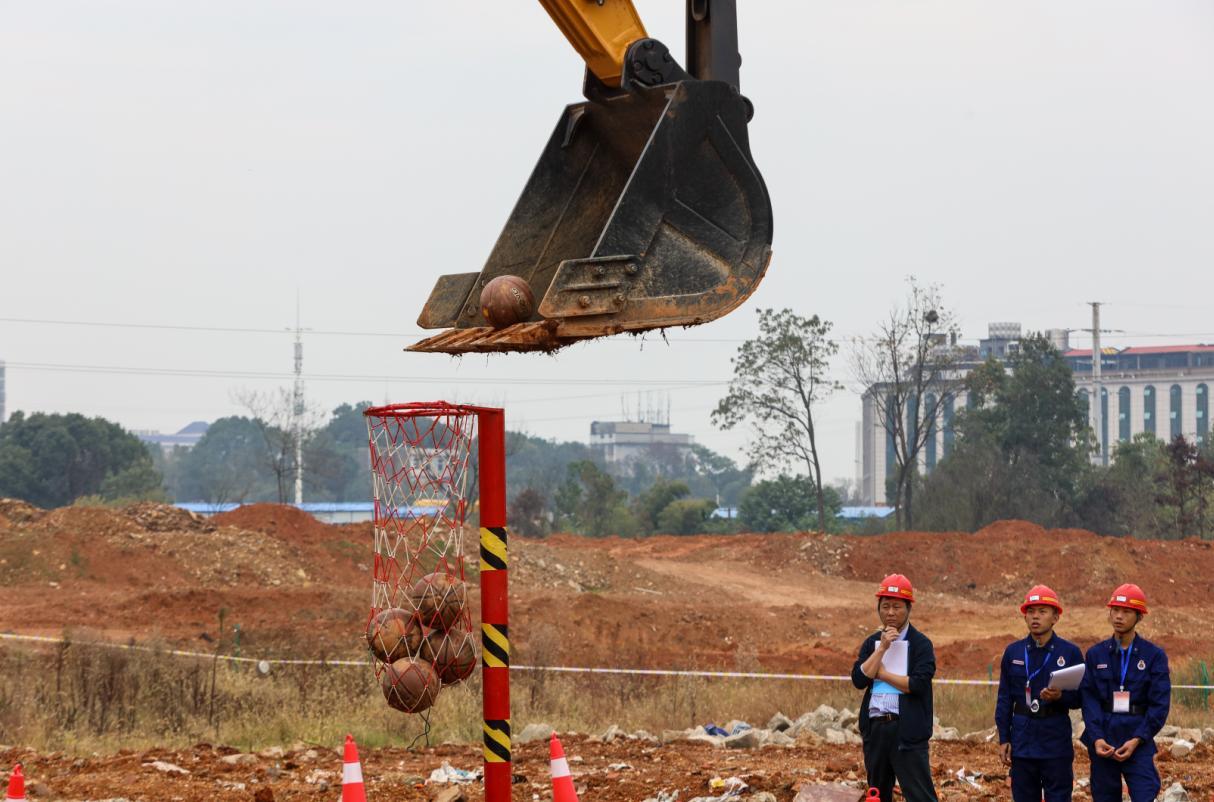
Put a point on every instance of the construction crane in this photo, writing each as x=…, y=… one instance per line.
x=645, y=210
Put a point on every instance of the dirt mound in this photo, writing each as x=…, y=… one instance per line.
x=281, y=521
x=166, y=518
x=15, y=511
x=789, y=602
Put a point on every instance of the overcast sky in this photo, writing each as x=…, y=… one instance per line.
x=200, y=163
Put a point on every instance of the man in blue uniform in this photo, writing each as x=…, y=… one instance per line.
x=1126, y=693
x=1032, y=719
x=896, y=714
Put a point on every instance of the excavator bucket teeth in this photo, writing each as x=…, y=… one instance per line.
x=644, y=211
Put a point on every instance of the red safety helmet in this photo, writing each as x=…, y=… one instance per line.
x=1129, y=596
x=896, y=586
x=1041, y=594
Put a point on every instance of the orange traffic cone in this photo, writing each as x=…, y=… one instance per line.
x=562, y=782
x=16, y=786
x=352, y=789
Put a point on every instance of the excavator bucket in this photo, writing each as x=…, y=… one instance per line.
x=645, y=211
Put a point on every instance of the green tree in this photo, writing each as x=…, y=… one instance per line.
x=649, y=505
x=591, y=502
x=685, y=516
x=527, y=513
x=539, y=464
x=1123, y=499
x=779, y=378
x=52, y=459
x=225, y=465
x=906, y=367
x=1188, y=486
x=782, y=505
x=1022, y=449
x=336, y=458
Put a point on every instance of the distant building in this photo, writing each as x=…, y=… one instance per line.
x=186, y=438
x=1163, y=390
x=621, y=442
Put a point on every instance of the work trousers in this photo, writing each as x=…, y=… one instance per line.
x=1034, y=779
x=884, y=762
x=1139, y=773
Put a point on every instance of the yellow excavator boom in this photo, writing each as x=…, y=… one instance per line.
x=645, y=209
x=599, y=32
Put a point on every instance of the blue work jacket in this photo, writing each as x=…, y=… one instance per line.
x=1030, y=736
x=1149, y=682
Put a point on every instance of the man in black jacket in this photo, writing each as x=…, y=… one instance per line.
x=896, y=714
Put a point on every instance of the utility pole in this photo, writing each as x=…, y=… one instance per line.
x=1095, y=407
x=298, y=406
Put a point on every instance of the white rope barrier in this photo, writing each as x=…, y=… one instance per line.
x=643, y=672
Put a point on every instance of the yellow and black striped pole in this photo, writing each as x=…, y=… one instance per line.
x=495, y=642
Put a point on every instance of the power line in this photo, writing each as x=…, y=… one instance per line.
x=399, y=335
x=346, y=377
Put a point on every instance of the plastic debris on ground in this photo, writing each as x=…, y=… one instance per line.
x=665, y=796
x=713, y=729
x=969, y=777
x=449, y=774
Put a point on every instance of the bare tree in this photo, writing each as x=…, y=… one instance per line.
x=274, y=414
x=908, y=368
x=778, y=378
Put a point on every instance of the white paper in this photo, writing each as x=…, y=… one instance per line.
x=894, y=659
x=1067, y=679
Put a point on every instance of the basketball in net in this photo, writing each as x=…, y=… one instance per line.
x=452, y=652
x=439, y=599
x=410, y=685
x=419, y=627
x=394, y=633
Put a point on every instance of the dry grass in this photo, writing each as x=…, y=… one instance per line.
x=81, y=699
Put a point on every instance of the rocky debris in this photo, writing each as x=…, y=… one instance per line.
x=454, y=793
x=167, y=768
x=827, y=792
x=761, y=796
x=272, y=753
x=777, y=738
x=614, y=732
x=166, y=518
x=989, y=735
x=779, y=722
x=1181, y=748
x=1175, y=793
x=19, y=512
x=746, y=739
x=239, y=759
x=945, y=733
x=263, y=794
x=533, y=732
x=1192, y=734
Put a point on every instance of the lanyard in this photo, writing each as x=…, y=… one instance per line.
x=1125, y=662
x=1044, y=660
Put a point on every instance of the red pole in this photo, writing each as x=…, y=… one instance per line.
x=495, y=643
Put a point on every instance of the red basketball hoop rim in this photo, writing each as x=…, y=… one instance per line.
x=425, y=409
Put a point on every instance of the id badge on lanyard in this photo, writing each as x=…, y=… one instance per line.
x=1029, y=702
x=1121, y=697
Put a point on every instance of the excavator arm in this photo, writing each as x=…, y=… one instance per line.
x=645, y=209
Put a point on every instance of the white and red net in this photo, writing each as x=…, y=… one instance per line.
x=419, y=627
